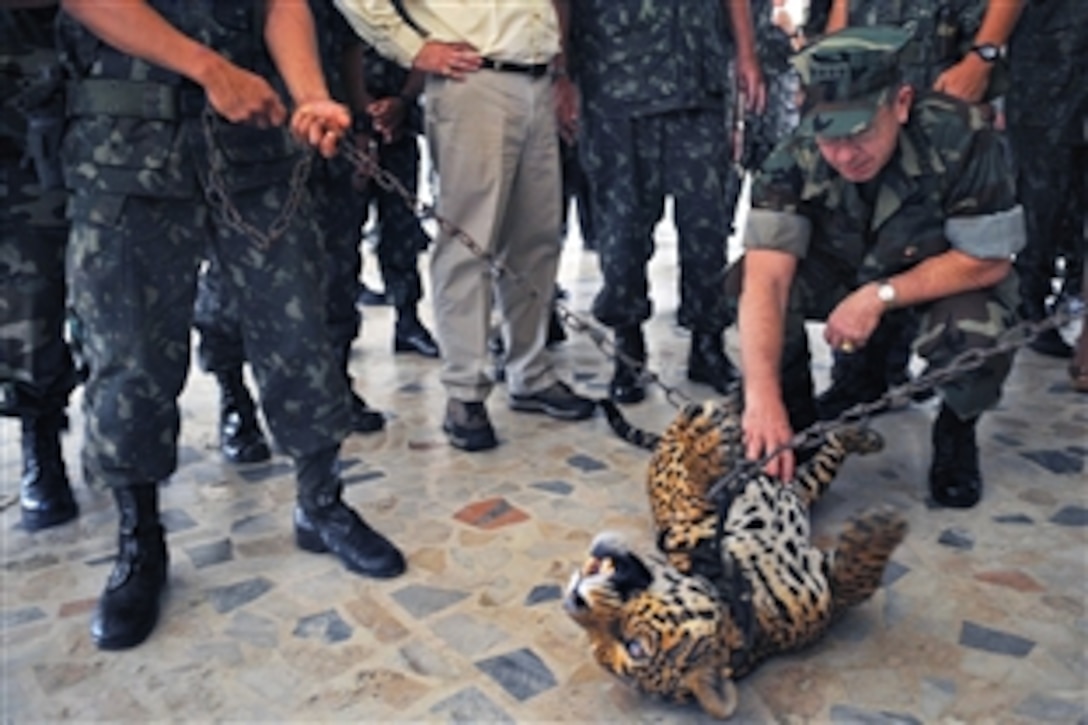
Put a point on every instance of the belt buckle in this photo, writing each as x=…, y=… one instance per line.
x=159, y=103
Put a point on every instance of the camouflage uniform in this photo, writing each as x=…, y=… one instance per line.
x=654, y=85
x=36, y=370
x=1047, y=107
x=138, y=166
x=947, y=186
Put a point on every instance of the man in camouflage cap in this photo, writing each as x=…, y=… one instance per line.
x=883, y=203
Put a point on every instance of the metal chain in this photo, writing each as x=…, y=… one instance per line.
x=1013, y=338
x=219, y=197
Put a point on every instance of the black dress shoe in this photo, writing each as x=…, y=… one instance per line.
x=415, y=338
x=371, y=298
x=626, y=385
x=468, y=427
x=365, y=419
x=1051, y=343
x=556, y=400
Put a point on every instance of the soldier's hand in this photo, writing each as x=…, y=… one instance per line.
x=852, y=322
x=966, y=80
x=240, y=96
x=452, y=60
x=766, y=427
x=321, y=124
x=751, y=84
x=566, y=108
x=388, y=116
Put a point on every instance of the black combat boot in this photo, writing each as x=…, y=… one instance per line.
x=410, y=335
x=1034, y=290
x=954, y=477
x=240, y=437
x=364, y=419
x=324, y=523
x=857, y=377
x=129, y=607
x=708, y=364
x=1050, y=342
x=626, y=385
x=45, y=497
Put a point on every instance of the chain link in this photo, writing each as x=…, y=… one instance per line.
x=219, y=197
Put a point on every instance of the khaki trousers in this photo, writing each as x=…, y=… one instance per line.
x=494, y=145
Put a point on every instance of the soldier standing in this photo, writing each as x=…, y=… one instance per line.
x=654, y=87
x=142, y=150
x=1047, y=118
x=884, y=201
x=36, y=370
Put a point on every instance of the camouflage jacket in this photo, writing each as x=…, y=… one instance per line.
x=134, y=128
x=943, y=31
x=631, y=57
x=946, y=186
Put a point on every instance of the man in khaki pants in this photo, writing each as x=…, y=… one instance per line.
x=490, y=123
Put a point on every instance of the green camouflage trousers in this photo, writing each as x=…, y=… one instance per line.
x=632, y=164
x=36, y=370
x=133, y=264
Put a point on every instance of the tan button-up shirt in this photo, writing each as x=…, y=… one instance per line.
x=520, y=31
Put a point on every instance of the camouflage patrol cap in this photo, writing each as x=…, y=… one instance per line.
x=846, y=76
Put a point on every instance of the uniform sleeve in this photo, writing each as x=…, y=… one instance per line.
x=775, y=220
x=984, y=219
x=379, y=24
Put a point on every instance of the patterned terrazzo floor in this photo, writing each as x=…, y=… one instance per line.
x=982, y=618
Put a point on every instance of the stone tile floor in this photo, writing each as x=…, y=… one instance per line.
x=982, y=619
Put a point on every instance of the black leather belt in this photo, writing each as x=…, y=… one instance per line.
x=505, y=66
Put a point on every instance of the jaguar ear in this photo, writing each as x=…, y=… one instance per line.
x=715, y=692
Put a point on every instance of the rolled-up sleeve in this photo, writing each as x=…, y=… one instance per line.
x=380, y=25
x=988, y=236
x=779, y=230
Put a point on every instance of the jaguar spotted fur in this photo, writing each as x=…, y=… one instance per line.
x=724, y=594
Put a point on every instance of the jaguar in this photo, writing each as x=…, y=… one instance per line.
x=734, y=578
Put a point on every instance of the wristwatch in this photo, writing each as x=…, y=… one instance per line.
x=987, y=51
x=886, y=293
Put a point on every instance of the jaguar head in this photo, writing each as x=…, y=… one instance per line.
x=658, y=630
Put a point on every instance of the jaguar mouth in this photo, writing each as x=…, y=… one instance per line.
x=574, y=602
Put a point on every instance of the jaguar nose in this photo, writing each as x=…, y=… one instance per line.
x=574, y=602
